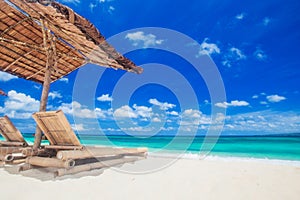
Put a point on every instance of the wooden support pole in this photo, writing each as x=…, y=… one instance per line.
x=96, y=165
x=50, y=162
x=50, y=64
x=94, y=152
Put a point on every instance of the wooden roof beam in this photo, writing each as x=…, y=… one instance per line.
x=13, y=26
x=15, y=61
x=23, y=44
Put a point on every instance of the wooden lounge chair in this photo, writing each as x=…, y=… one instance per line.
x=57, y=130
x=69, y=155
x=12, y=135
x=14, y=143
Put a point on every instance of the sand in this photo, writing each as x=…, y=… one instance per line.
x=184, y=179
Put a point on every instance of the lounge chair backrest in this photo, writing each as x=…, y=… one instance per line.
x=9, y=131
x=56, y=127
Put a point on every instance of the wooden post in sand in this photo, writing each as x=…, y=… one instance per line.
x=51, y=63
x=50, y=162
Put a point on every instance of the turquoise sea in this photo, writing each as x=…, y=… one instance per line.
x=269, y=147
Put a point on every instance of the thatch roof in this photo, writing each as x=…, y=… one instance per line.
x=78, y=42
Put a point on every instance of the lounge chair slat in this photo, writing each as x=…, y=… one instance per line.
x=10, y=132
x=56, y=127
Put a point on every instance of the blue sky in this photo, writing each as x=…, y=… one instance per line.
x=254, y=45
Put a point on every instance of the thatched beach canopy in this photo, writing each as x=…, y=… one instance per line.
x=75, y=39
x=43, y=41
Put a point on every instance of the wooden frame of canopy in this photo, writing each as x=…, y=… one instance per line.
x=44, y=43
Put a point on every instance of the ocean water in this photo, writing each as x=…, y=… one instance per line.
x=266, y=147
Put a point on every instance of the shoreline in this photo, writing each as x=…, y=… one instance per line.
x=196, y=156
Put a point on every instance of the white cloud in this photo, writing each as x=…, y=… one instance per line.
x=235, y=103
x=275, y=98
x=140, y=38
x=255, y=97
x=66, y=80
x=19, y=105
x=173, y=113
x=233, y=55
x=21, y=101
x=138, y=129
x=135, y=112
x=55, y=95
x=111, y=9
x=143, y=111
x=191, y=117
x=105, y=98
x=78, y=127
x=37, y=87
x=78, y=110
x=240, y=16
x=263, y=103
x=125, y=112
x=237, y=53
x=156, y=119
x=162, y=105
x=266, y=21
x=260, y=55
x=6, y=76
x=208, y=48
x=264, y=121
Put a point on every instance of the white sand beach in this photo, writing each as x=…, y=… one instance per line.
x=185, y=179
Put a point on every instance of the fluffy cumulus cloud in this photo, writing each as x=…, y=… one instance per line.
x=6, y=76
x=275, y=98
x=145, y=40
x=105, y=98
x=193, y=117
x=19, y=105
x=81, y=111
x=125, y=112
x=207, y=48
x=133, y=112
x=235, y=103
x=173, y=113
x=162, y=105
